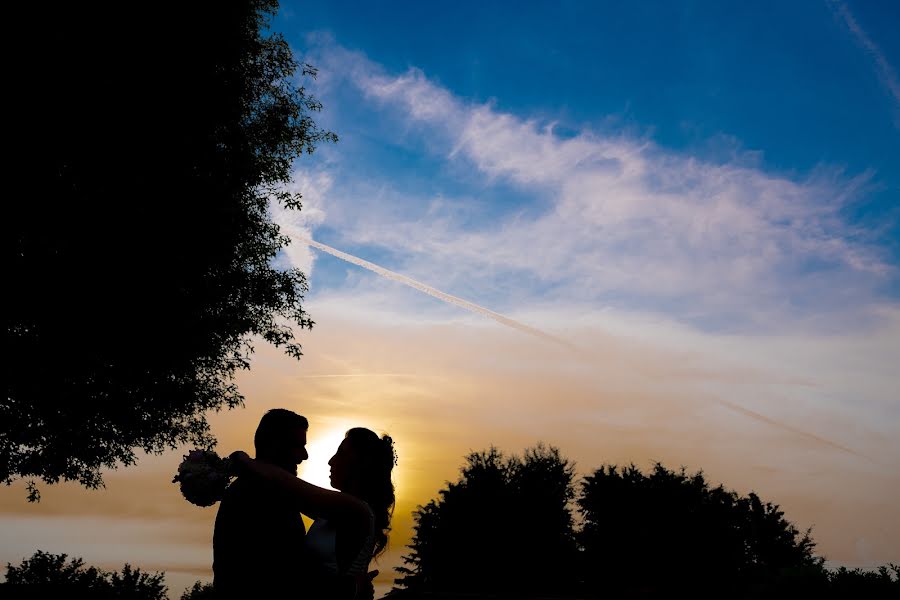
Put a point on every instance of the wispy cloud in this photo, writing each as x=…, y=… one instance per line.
x=584, y=356
x=299, y=224
x=611, y=218
x=353, y=375
x=609, y=225
x=886, y=72
x=443, y=296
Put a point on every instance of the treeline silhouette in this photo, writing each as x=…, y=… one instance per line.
x=523, y=527
x=508, y=527
x=46, y=575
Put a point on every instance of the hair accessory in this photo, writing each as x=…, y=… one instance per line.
x=389, y=445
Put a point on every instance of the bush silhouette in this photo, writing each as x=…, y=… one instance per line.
x=506, y=528
x=694, y=535
x=199, y=591
x=47, y=575
x=506, y=525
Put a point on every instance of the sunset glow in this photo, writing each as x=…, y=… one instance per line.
x=321, y=448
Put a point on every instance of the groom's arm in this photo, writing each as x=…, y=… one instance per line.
x=311, y=499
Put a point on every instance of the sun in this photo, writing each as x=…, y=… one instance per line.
x=321, y=447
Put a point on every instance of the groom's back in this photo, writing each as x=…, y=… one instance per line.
x=257, y=543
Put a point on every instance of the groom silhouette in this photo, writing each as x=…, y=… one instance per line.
x=259, y=533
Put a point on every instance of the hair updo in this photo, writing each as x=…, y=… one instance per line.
x=378, y=458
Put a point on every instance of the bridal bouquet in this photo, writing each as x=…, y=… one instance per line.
x=203, y=477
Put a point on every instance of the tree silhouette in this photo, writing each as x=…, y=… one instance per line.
x=884, y=582
x=153, y=137
x=199, y=591
x=505, y=526
x=670, y=530
x=505, y=529
x=54, y=576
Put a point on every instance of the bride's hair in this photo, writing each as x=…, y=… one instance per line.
x=377, y=490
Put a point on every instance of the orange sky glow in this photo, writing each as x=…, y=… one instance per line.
x=444, y=388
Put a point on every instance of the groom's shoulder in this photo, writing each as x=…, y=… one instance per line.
x=239, y=492
x=240, y=488
x=251, y=496
x=247, y=492
x=237, y=504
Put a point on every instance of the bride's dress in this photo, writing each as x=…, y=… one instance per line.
x=321, y=547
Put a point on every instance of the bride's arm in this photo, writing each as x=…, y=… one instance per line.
x=314, y=501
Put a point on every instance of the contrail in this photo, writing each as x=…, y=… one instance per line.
x=886, y=72
x=465, y=304
x=763, y=418
x=472, y=307
x=356, y=375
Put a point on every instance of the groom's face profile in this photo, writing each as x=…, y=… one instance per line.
x=280, y=438
x=298, y=447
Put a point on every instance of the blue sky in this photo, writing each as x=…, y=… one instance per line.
x=788, y=80
x=784, y=78
x=799, y=95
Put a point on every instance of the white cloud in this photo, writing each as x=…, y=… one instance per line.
x=620, y=219
x=299, y=224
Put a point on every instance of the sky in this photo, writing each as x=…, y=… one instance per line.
x=636, y=231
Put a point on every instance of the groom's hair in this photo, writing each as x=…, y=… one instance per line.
x=277, y=426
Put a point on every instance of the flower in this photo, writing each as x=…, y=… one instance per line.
x=203, y=476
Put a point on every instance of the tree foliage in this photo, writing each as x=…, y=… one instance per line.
x=54, y=576
x=694, y=535
x=883, y=582
x=140, y=256
x=506, y=525
x=505, y=528
x=199, y=591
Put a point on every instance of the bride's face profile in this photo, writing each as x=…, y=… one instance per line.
x=342, y=466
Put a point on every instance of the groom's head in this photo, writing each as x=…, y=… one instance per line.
x=281, y=438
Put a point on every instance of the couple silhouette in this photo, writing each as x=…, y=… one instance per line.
x=261, y=548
